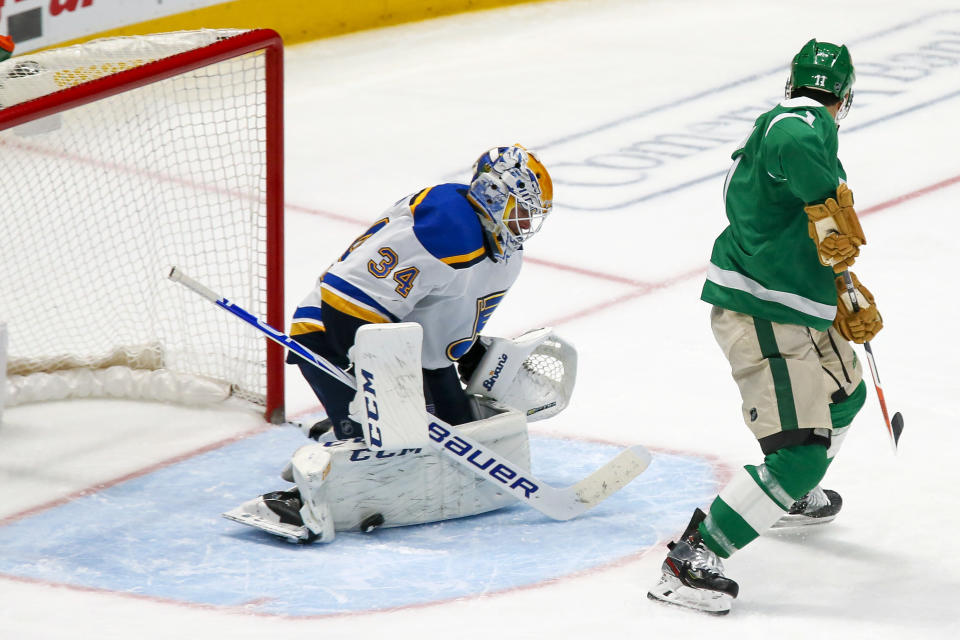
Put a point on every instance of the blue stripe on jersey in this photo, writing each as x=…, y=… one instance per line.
x=447, y=225
x=313, y=313
x=347, y=289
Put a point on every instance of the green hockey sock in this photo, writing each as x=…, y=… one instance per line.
x=757, y=496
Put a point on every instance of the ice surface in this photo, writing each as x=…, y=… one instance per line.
x=635, y=107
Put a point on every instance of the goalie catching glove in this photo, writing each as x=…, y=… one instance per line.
x=533, y=373
x=836, y=230
x=864, y=323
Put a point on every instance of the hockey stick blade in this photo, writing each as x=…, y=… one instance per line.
x=897, y=425
x=556, y=503
x=610, y=478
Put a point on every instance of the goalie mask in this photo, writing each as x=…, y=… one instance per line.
x=513, y=194
x=824, y=67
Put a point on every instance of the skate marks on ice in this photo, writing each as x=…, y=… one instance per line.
x=160, y=536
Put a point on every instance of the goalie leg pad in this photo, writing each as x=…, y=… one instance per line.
x=344, y=485
x=389, y=403
x=310, y=467
x=414, y=485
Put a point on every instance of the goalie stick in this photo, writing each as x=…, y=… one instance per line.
x=895, y=425
x=557, y=503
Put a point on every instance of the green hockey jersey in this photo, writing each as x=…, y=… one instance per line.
x=764, y=263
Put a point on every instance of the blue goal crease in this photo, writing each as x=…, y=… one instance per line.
x=161, y=535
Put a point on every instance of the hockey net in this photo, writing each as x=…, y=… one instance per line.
x=123, y=157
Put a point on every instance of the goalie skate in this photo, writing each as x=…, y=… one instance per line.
x=276, y=512
x=819, y=506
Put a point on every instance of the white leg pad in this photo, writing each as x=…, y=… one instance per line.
x=389, y=403
x=310, y=467
x=405, y=486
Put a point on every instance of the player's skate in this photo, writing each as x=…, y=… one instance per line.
x=693, y=575
x=277, y=512
x=819, y=506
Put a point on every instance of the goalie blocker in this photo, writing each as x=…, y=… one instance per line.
x=392, y=476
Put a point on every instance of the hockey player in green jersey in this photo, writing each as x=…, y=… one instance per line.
x=782, y=316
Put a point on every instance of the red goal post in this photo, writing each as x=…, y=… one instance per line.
x=122, y=157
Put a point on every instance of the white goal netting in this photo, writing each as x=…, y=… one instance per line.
x=100, y=200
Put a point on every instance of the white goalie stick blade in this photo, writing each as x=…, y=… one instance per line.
x=613, y=476
x=564, y=504
x=557, y=503
x=255, y=513
x=672, y=591
x=560, y=504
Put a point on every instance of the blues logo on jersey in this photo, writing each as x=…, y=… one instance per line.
x=485, y=308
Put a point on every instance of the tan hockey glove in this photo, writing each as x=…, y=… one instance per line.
x=862, y=325
x=836, y=230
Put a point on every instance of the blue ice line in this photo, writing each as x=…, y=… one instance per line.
x=696, y=181
x=897, y=114
x=725, y=86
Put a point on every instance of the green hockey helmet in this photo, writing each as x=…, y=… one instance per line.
x=825, y=67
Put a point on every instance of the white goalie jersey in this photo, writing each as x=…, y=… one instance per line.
x=426, y=262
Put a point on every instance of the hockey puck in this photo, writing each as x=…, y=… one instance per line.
x=371, y=522
x=319, y=429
